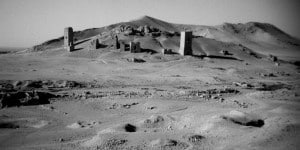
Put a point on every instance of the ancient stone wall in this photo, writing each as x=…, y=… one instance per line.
x=166, y=51
x=135, y=47
x=122, y=46
x=94, y=44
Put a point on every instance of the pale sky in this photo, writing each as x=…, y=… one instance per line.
x=24, y=23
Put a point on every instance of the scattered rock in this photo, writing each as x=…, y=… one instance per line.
x=241, y=104
x=243, y=85
x=114, y=106
x=174, y=145
x=154, y=122
x=113, y=143
x=83, y=124
x=170, y=127
x=136, y=60
x=211, y=93
x=24, y=98
x=183, y=87
x=127, y=106
x=130, y=128
x=221, y=100
x=195, y=139
x=242, y=118
x=152, y=107
x=267, y=75
x=272, y=58
x=224, y=52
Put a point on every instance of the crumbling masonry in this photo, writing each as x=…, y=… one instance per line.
x=135, y=47
x=116, y=44
x=94, y=44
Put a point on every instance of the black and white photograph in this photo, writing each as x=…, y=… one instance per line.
x=149, y=75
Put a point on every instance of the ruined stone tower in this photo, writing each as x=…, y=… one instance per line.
x=117, y=44
x=186, y=43
x=68, y=39
x=135, y=47
x=94, y=44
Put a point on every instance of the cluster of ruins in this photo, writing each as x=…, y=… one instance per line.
x=133, y=47
x=141, y=30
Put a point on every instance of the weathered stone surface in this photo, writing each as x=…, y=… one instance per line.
x=242, y=118
x=272, y=58
x=128, y=30
x=141, y=30
x=186, y=43
x=166, y=51
x=155, y=34
x=147, y=29
x=135, y=47
x=68, y=39
x=124, y=46
x=94, y=44
x=117, y=44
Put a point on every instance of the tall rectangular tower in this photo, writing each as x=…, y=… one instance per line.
x=68, y=39
x=186, y=43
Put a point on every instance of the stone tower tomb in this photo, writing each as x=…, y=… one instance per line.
x=68, y=39
x=186, y=43
x=135, y=47
x=116, y=44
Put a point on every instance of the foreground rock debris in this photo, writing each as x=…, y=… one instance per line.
x=145, y=85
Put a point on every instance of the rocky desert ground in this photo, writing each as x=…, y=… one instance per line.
x=239, y=90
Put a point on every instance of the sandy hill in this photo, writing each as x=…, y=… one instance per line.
x=5, y=50
x=261, y=38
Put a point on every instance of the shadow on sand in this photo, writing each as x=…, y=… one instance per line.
x=149, y=51
x=217, y=57
x=81, y=42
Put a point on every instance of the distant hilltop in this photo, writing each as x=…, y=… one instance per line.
x=263, y=38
